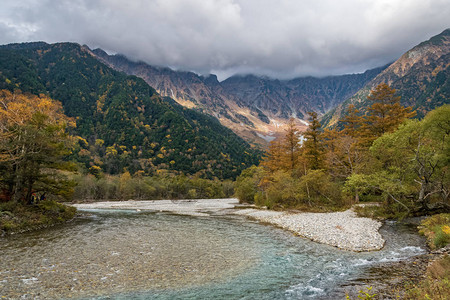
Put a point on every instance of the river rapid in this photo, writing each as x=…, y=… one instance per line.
x=127, y=254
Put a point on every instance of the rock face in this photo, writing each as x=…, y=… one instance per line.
x=421, y=77
x=254, y=107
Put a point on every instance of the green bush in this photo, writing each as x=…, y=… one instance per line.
x=364, y=295
x=246, y=190
x=247, y=183
x=441, y=238
x=262, y=199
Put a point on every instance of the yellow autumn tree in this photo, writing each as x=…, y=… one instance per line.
x=33, y=142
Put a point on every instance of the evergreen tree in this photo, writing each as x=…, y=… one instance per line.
x=313, y=145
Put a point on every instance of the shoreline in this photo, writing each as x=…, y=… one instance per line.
x=344, y=230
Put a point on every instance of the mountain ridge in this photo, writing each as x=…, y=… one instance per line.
x=254, y=107
x=420, y=76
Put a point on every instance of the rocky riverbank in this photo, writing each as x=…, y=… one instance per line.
x=344, y=230
x=19, y=217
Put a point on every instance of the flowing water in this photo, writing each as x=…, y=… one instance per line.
x=134, y=255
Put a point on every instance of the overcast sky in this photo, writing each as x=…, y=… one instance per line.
x=277, y=38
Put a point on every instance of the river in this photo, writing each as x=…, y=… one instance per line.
x=126, y=254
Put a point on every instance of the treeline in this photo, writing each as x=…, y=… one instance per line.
x=382, y=155
x=139, y=187
x=35, y=150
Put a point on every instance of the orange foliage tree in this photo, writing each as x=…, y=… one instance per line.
x=384, y=115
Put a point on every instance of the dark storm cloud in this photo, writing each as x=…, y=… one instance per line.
x=282, y=38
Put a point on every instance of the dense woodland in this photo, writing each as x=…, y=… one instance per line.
x=383, y=155
x=122, y=124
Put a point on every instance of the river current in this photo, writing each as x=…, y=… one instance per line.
x=112, y=254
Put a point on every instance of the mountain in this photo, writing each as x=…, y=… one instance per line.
x=123, y=123
x=253, y=107
x=420, y=76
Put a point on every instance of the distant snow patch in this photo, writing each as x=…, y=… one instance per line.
x=268, y=137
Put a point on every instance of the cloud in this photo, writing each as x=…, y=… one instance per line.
x=283, y=38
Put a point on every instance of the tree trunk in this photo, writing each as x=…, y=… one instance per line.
x=356, y=197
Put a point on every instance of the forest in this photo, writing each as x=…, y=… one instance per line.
x=122, y=124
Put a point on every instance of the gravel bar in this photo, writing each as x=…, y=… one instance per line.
x=344, y=230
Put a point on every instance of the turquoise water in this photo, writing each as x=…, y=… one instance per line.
x=130, y=255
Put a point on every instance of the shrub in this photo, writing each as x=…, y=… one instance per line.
x=262, y=199
x=247, y=183
x=246, y=190
x=364, y=295
x=441, y=238
x=437, y=230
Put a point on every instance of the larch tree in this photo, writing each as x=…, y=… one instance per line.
x=273, y=157
x=352, y=122
x=384, y=115
x=283, y=153
x=291, y=146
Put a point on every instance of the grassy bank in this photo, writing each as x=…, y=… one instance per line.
x=17, y=217
x=436, y=284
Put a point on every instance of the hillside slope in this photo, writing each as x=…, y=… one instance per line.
x=125, y=123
